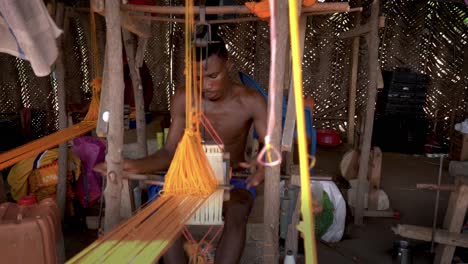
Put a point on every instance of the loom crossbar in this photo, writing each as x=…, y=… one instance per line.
x=144, y=237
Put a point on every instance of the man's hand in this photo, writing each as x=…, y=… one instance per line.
x=257, y=177
x=129, y=166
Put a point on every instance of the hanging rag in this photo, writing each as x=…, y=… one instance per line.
x=27, y=31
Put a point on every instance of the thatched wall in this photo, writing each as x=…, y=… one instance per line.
x=426, y=36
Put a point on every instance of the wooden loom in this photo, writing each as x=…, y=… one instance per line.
x=147, y=235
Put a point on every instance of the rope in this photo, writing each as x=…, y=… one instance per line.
x=268, y=147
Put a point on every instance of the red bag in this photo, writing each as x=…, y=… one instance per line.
x=31, y=234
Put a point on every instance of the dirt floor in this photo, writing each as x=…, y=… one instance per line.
x=373, y=242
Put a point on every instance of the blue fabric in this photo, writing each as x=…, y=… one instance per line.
x=240, y=183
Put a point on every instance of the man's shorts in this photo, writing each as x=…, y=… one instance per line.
x=236, y=182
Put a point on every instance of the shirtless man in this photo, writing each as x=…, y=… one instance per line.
x=232, y=109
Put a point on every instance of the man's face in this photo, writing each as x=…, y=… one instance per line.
x=215, y=77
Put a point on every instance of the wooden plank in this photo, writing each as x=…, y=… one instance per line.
x=290, y=120
x=453, y=222
x=112, y=192
x=379, y=213
x=272, y=174
x=141, y=28
x=374, y=178
x=373, y=46
x=353, y=81
x=356, y=32
x=292, y=238
x=425, y=234
x=434, y=187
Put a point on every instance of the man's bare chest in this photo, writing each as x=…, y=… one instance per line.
x=230, y=123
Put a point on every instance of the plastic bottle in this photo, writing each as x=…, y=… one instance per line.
x=289, y=258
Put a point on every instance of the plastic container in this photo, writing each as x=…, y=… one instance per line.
x=289, y=258
x=328, y=137
x=28, y=200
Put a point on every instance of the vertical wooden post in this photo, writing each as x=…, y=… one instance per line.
x=353, y=80
x=374, y=178
x=129, y=44
x=373, y=47
x=61, y=22
x=292, y=238
x=112, y=193
x=2, y=189
x=272, y=177
x=62, y=114
x=453, y=222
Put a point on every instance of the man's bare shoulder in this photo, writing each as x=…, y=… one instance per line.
x=178, y=101
x=249, y=96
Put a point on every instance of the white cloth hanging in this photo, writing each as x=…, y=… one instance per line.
x=27, y=31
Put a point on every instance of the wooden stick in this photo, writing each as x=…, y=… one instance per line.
x=453, y=222
x=374, y=178
x=231, y=20
x=373, y=46
x=290, y=120
x=424, y=233
x=434, y=187
x=220, y=10
x=62, y=118
x=272, y=174
x=376, y=213
x=353, y=83
x=112, y=193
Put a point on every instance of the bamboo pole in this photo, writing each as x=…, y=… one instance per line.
x=373, y=47
x=222, y=10
x=112, y=193
x=271, y=214
x=353, y=82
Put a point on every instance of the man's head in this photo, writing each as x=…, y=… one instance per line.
x=215, y=70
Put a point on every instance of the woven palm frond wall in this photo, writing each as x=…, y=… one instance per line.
x=429, y=37
x=425, y=36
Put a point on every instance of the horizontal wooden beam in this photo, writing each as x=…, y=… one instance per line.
x=236, y=9
x=425, y=234
x=434, y=187
x=377, y=213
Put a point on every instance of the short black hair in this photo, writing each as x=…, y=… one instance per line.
x=218, y=47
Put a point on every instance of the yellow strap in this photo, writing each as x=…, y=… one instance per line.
x=307, y=225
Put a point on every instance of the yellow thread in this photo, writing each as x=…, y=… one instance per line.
x=307, y=225
x=190, y=172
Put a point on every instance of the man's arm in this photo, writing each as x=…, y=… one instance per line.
x=162, y=158
x=259, y=115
